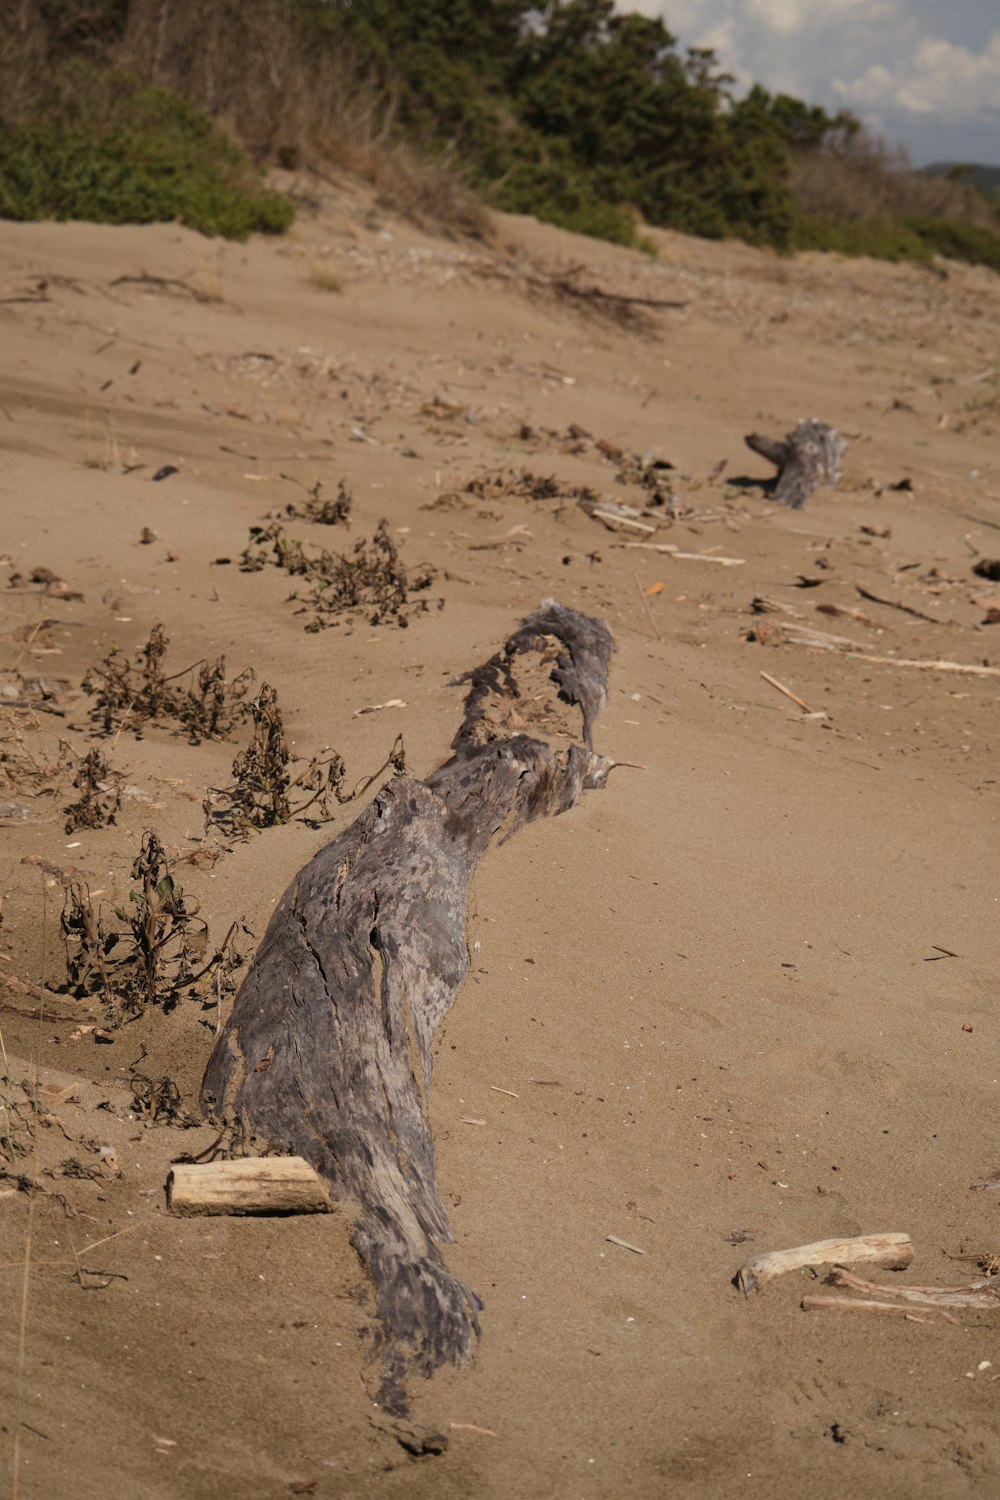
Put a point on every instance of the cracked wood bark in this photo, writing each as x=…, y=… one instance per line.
x=328, y=1051
x=808, y=457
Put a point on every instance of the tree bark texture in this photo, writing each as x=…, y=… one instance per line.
x=328, y=1051
x=807, y=458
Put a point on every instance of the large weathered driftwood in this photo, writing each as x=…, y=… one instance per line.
x=328, y=1052
x=808, y=457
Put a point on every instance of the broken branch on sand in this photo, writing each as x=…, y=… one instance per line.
x=789, y=694
x=968, y=669
x=893, y=1250
x=808, y=457
x=167, y=284
x=249, y=1185
x=624, y=309
x=820, y=640
x=328, y=1051
x=671, y=550
x=907, y=609
x=648, y=607
x=984, y=1293
x=855, y=1304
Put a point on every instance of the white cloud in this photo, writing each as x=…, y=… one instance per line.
x=789, y=16
x=939, y=79
x=924, y=73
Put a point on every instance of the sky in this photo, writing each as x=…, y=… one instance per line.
x=924, y=74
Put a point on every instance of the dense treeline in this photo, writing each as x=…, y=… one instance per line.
x=583, y=115
x=577, y=110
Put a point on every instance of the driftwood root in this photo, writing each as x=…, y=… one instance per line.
x=807, y=458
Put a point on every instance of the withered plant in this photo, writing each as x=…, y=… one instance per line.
x=26, y=766
x=100, y=790
x=371, y=580
x=266, y=792
x=154, y=953
x=131, y=694
x=269, y=544
x=323, y=512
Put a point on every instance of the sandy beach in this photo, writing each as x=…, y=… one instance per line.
x=741, y=999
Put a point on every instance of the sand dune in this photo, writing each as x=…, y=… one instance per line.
x=741, y=999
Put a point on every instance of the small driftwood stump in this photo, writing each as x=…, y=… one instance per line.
x=328, y=1051
x=808, y=457
x=248, y=1185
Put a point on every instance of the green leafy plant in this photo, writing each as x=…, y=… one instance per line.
x=103, y=146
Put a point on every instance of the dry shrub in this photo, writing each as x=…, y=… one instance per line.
x=325, y=276
x=867, y=182
x=253, y=65
x=100, y=789
x=371, y=581
x=199, y=698
x=289, y=102
x=249, y=64
x=261, y=795
x=265, y=791
x=428, y=192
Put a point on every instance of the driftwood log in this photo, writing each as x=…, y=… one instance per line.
x=805, y=459
x=328, y=1051
x=893, y=1250
x=247, y=1185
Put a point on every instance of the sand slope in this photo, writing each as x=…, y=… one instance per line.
x=715, y=990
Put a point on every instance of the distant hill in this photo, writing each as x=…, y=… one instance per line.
x=976, y=173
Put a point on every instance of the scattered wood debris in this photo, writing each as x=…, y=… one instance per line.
x=669, y=549
x=761, y=604
x=374, y=708
x=847, y=612
x=983, y=1294
x=168, y=286
x=907, y=609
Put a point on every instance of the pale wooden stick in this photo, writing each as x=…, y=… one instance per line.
x=671, y=550
x=614, y=1240
x=252, y=1185
x=788, y=693
x=615, y=522
x=820, y=640
x=966, y=668
x=894, y=1250
x=642, y=596
x=853, y=1304
x=984, y=1293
